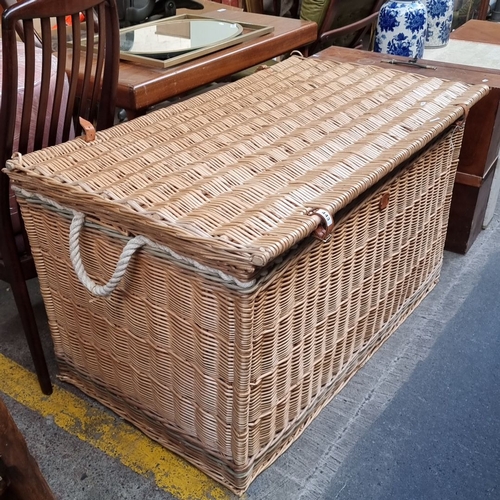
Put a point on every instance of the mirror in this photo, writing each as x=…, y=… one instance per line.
x=169, y=38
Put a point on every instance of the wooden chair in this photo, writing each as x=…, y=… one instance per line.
x=465, y=10
x=342, y=22
x=49, y=112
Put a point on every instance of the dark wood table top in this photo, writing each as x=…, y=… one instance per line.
x=140, y=86
x=448, y=71
x=478, y=31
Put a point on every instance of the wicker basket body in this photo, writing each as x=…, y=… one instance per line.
x=228, y=371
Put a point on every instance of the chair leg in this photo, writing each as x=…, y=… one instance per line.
x=13, y=273
x=23, y=302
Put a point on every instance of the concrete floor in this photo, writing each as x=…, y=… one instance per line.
x=420, y=421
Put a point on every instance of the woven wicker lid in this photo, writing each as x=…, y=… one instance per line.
x=232, y=177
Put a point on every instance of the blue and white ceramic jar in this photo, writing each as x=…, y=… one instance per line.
x=439, y=21
x=401, y=28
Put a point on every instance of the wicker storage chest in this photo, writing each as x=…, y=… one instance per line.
x=260, y=241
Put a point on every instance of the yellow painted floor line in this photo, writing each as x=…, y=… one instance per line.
x=109, y=434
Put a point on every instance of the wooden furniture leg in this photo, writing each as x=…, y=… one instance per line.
x=20, y=474
x=483, y=9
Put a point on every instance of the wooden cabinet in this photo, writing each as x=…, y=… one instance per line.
x=480, y=147
x=475, y=173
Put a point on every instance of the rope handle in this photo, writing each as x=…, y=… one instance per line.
x=121, y=267
x=128, y=252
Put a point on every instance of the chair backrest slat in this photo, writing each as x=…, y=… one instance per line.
x=29, y=84
x=99, y=65
x=56, y=111
x=76, y=34
x=86, y=92
x=45, y=82
x=112, y=52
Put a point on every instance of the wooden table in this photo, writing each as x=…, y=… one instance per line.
x=478, y=31
x=479, y=156
x=481, y=142
x=140, y=87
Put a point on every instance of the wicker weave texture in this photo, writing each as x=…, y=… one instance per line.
x=229, y=378
x=231, y=178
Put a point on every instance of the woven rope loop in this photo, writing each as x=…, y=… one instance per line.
x=74, y=249
x=130, y=248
